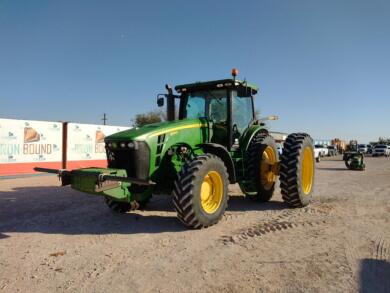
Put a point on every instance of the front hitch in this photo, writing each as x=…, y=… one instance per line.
x=65, y=176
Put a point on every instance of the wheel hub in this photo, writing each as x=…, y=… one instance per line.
x=267, y=172
x=307, y=170
x=211, y=192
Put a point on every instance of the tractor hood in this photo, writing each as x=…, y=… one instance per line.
x=156, y=129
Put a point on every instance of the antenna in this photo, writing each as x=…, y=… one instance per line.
x=104, y=118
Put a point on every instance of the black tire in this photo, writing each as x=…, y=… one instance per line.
x=257, y=190
x=118, y=206
x=347, y=162
x=187, y=191
x=318, y=159
x=294, y=193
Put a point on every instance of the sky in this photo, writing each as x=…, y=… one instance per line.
x=322, y=66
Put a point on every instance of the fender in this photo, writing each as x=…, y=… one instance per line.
x=248, y=135
x=221, y=152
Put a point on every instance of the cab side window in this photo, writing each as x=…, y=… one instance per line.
x=218, y=110
x=195, y=107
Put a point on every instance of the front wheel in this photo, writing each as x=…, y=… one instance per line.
x=297, y=170
x=200, y=192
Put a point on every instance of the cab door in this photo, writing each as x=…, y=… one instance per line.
x=242, y=114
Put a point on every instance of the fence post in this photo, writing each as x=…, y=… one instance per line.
x=64, y=143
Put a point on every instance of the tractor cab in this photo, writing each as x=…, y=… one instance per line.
x=227, y=104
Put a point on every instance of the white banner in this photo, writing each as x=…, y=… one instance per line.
x=27, y=141
x=86, y=141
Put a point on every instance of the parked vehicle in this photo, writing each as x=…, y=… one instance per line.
x=317, y=154
x=369, y=149
x=332, y=151
x=362, y=148
x=279, y=147
x=381, y=150
x=323, y=150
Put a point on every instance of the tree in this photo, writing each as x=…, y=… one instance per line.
x=384, y=140
x=148, y=118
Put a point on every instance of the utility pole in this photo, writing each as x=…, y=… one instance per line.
x=104, y=118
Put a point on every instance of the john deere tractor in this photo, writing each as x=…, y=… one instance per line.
x=211, y=139
x=353, y=158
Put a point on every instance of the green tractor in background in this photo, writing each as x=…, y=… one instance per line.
x=353, y=158
x=214, y=141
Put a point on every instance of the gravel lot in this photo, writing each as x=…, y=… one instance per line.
x=58, y=239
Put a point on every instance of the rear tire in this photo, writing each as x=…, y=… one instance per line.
x=297, y=170
x=200, y=192
x=261, y=152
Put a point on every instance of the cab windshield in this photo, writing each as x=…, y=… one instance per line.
x=207, y=104
x=213, y=106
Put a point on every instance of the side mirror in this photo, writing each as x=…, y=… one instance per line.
x=160, y=100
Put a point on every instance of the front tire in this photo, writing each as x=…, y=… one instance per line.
x=297, y=170
x=200, y=192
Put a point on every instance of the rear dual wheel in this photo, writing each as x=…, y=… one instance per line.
x=297, y=170
x=261, y=159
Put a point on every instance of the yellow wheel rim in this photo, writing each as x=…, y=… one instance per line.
x=307, y=170
x=267, y=175
x=211, y=192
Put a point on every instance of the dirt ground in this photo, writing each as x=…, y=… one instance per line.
x=55, y=239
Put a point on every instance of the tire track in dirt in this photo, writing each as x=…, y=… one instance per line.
x=353, y=257
x=287, y=219
x=375, y=270
x=266, y=228
x=381, y=249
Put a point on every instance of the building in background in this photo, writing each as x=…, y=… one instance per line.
x=341, y=145
x=279, y=137
x=324, y=142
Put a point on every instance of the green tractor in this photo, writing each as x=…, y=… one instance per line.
x=211, y=139
x=353, y=158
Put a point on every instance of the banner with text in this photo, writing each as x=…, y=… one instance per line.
x=25, y=144
x=85, y=144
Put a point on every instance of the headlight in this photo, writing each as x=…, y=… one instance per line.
x=122, y=145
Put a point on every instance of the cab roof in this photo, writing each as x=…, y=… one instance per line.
x=243, y=87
